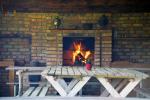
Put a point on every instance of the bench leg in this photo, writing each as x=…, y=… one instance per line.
x=20, y=82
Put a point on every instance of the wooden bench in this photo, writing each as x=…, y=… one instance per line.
x=36, y=91
x=142, y=91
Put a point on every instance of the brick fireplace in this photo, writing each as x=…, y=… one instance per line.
x=102, y=46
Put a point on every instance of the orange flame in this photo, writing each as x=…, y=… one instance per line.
x=78, y=50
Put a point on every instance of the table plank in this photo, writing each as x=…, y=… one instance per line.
x=122, y=73
x=108, y=70
x=118, y=72
x=138, y=74
x=105, y=72
x=100, y=73
x=93, y=71
x=65, y=71
x=89, y=72
x=114, y=72
x=46, y=70
x=76, y=71
x=70, y=71
x=58, y=71
x=52, y=70
x=127, y=73
x=82, y=71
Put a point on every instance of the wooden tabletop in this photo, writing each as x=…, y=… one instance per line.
x=78, y=72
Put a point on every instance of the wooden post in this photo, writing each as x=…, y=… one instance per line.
x=9, y=63
x=19, y=73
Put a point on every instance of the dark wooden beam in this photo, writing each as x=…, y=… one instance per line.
x=77, y=5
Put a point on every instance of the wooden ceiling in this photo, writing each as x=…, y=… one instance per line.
x=76, y=5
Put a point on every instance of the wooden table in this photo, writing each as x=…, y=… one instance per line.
x=127, y=79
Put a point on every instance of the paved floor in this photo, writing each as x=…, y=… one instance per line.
x=69, y=98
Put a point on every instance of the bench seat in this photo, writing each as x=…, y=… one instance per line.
x=36, y=91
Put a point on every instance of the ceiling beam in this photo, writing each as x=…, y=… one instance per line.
x=77, y=5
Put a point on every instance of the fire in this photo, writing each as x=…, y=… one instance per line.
x=79, y=53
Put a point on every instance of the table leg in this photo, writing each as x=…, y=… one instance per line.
x=63, y=83
x=56, y=85
x=121, y=85
x=78, y=86
x=72, y=84
x=130, y=86
x=114, y=84
x=125, y=91
x=109, y=87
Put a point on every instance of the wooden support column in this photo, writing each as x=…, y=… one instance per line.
x=19, y=73
x=9, y=63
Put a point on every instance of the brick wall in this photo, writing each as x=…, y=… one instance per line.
x=46, y=45
x=15, y=46
x=130, y=31
x=131, y=37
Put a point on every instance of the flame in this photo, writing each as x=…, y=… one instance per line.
x=87, y=53
x=78, y=50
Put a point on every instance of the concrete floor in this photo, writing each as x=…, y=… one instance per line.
x=69, y=98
